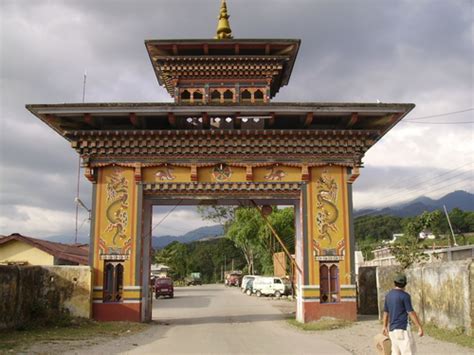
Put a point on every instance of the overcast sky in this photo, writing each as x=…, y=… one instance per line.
x=412, y=51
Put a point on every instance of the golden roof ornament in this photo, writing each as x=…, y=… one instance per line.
x=223, y=26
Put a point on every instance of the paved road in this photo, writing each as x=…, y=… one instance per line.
x=219, y=320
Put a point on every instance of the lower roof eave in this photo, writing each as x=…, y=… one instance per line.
x=156, y=108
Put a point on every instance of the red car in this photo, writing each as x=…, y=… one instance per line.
x=233, y=279
x=164, y=287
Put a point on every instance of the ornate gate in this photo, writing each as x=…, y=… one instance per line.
x=222, y=141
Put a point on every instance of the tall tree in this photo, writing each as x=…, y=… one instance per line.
x=409, y=249
x=244, y=232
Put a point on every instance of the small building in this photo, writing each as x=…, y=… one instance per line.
x=19, y=249
x=384, y=257
x=159, y=270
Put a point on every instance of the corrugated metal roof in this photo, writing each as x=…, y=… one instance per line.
x=77, y=253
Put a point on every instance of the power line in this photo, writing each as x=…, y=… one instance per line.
x=361, y=223
x=422, y=190
x=163, y=219
x=394, y=194
x=399, y=181
x=429, y=180
x=450, y=185
x=439, y=115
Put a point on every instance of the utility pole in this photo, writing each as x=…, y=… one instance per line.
x=450, y=226
x=76, y=230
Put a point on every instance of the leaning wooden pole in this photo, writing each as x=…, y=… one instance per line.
x=275, y=234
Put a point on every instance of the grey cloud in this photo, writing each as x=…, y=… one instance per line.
x=366, y=50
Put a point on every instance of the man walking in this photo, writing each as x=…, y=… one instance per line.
x=397, y=308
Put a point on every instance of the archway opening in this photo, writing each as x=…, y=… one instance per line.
x=196, y=278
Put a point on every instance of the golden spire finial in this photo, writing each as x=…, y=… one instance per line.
x=223, y=26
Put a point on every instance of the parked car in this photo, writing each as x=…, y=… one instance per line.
x=234, y=278
x=275, y=286
x=164, y=287
x=245, y=282
x=193, y=279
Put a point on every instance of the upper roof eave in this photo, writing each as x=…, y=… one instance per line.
x=224, y=41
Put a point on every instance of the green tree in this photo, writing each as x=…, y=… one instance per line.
x=244, y=232
x=408, y=249
x=460, y=222
x=223, y=215
x=282, y=221
x=174, y=255
x=249, y=231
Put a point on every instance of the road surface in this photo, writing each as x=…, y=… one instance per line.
x=213, y=319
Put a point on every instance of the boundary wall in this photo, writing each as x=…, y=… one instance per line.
x=441, y=293
x=30, y=293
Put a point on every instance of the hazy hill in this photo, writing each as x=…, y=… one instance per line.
x=457, y=199
x=198, y=234
x=158, y=242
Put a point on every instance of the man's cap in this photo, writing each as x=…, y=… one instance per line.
x=400, y=279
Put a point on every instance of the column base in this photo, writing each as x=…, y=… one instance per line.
x=116, y=312
x=313, y=311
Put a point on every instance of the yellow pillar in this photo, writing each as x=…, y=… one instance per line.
x=116, y=249
x=328, y=288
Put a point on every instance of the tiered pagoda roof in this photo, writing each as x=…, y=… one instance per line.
x=222, y=89
x=211, y=60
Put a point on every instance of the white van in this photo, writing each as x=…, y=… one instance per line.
x=245, y=281
x=275, y=286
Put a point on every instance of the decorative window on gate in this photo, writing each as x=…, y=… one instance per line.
x=329, y=282
x=113, y=281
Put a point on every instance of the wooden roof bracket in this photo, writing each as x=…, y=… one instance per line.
x=172, y=119
x=353, y=174
x=137, y=122
x=194, y=175
x=353, y=120
x=206, y=122
x=91, y=121
x=249, y=173
x=308, y=120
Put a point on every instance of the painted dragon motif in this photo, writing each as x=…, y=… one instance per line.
x=165, y=174
x=328, y=213
x=274, y=174
x=116, y=213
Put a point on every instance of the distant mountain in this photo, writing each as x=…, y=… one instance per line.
x=203, y=233
x=457, y=199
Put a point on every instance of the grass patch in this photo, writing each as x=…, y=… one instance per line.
x=322, y=324
x=75, y=330
x=456, y=336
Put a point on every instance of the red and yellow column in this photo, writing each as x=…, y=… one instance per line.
x=116, y=250
x=328, y=288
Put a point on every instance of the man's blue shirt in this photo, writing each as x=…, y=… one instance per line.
x=397, y=305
